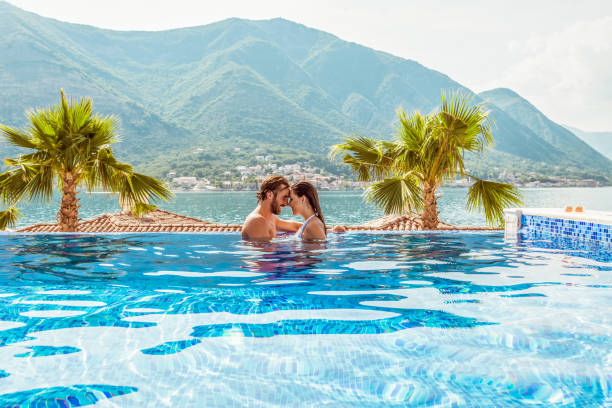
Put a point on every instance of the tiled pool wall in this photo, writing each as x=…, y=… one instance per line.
x=593, y=226
x=570, y=228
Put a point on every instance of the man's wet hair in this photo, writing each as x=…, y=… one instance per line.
x=273, y=184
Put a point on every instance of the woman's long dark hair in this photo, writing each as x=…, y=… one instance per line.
x=304, y=188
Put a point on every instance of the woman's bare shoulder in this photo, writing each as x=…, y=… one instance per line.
x=314, y=229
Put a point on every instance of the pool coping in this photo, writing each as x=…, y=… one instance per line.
x=598, y=217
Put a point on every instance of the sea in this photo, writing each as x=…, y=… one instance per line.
x=339, y=207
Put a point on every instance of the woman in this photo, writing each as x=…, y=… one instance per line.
x=304, y=201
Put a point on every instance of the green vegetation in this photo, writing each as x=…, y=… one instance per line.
x=499, y=166
x=213, y=161
x=9, y=217
x=428, y=150
x=70, y=146
x=273, y=85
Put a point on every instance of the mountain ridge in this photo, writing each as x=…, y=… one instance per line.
x=600, y=141
x=567, y=142
x=233, y=83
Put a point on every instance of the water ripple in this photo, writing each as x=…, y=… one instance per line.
x=440, y=319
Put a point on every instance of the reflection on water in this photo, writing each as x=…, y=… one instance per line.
x=283, y=257
x=361, y=320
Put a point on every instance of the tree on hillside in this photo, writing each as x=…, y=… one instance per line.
x=428, y=151
x=71, y=146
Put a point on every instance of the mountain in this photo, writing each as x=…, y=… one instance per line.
x=600, y=141
x=274, y=85
x=38, y=60
x=564, y=140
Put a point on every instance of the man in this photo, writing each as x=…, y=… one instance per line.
x=262, y=223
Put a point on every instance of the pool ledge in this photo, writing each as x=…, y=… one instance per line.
x=590, y=225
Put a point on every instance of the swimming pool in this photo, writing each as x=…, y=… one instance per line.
x=420, y=319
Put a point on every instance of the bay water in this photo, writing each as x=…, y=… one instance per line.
x=339, y=207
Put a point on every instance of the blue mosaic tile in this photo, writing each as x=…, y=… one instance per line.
x=73, y=396
x=569, y=228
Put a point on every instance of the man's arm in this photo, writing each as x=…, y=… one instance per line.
x=257, y=229
x=289, y=226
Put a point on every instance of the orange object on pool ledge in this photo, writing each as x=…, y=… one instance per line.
x=568, y=208
x=579, y=209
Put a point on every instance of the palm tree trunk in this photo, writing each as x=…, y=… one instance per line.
x=69, y=210
x=430, y=207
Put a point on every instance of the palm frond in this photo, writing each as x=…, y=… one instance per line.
x=412, y=130
x=459, y=126
x=396, y=195
x=41, y=157
x=369, y=158
x=492, y=197
x=80, y=112
x=32, y=180
x=136, y=187
x=408, y=146
x=140, y=209
x=75, y=114
x=362, y=148
x=8, y=218
x=40, y=183
x=18, y=138
x=103, y=131
x=43, y=130
x=13, y=185
x=467, y=122
x=362, y=170
x=101, y=171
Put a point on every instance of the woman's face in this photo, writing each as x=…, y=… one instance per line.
x=296, y=203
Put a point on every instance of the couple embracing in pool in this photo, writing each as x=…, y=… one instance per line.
x=275, y=192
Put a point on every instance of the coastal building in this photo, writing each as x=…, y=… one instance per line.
x=203, y=185
x=250, y=177
x=185, y=182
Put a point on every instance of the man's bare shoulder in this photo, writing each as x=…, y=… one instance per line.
x=256, y=226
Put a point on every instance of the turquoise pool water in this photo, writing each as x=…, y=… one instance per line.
x=364, y=320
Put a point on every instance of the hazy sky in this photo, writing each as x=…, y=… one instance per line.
x=556, y=53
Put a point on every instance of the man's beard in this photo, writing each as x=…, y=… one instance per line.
x=274, y=207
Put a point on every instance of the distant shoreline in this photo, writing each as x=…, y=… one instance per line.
x=361, y=190
x=347, y=191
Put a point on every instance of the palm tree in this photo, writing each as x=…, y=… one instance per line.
x=428, y=151
x=70, y=146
